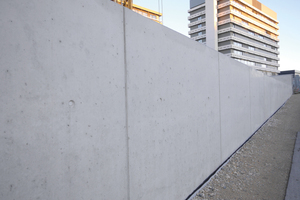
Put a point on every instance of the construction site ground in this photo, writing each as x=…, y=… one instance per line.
x=260, y=169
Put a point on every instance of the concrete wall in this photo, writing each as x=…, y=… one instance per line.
x=173, y=107
x=62, y=100
x=98, y=102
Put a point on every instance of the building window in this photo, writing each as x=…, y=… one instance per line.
x=251, y=33
x=237, y=52
x=238, y=60
x=200, y=33
x=239, y=4
x=200, y=25
x=243, y=61
x=251, y=48
x=245, y=23
x=251, y=63
x=201, y=41
x=246, y=62
x=201, y=17
x=237, y=11
x=237, y=44
x=261, y=37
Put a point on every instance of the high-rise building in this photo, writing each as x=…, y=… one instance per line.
x=151, y=14
x=245, y=30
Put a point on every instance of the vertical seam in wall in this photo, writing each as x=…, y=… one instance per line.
x=126, y=107
x=264, y=106
x=220, y=117
x=250, y=97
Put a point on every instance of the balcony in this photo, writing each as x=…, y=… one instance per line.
x=197, y=22
x=249, y=12
x=196, y=15
x=231, y=46
x=197, y=30
x=222, y=5
x=232, y=29
x=247, y=27
x=248, y=43
x=236, y=13
x=197, y=7
x=266, y=69
x=253, y=21
x=252, y=59
x=254, y=15
x=199, y=37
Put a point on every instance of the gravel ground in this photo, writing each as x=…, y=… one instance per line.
x=260, y=169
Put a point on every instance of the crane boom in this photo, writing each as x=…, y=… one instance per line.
x=151, y=14
x=125, y=3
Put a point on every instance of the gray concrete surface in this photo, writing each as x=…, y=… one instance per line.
x=171, y=101
x=257, y=96
x=234, y=91
x=293, y=189
x=98, y=101
x=62, y=105
x=260, y=169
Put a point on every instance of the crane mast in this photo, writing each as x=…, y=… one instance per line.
x=128, y=4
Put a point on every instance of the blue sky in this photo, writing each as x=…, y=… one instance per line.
x=175, y=17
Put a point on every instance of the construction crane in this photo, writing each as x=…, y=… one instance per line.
x=151, y=14
x=125, y=3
